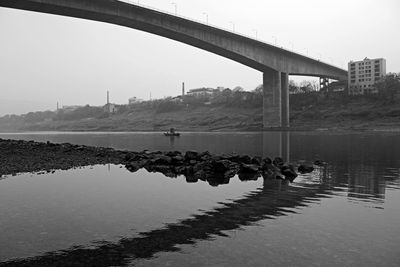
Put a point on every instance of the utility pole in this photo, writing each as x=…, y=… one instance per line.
x=183, y=89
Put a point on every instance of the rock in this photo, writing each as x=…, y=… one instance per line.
x=201, y=174
x=256, y=160
x=180, y=169
x=266, y=161
x=178, y=159
x=278, y=161
x=230, y=173
x=319, y=163
x=305, y=168
x=233, y=157
x=134, y=166
x=215, y=158
x=221, y=166
x=200, y=166
x=191, y=155
x=217, y=180
x=164, y=169
x=245, y=159
x=191, y=179
x=205, y=155
x=249, y=168
x=289, y=172
x=268, y=166
x=161, y=160
x=173, y=154
x=248, y=176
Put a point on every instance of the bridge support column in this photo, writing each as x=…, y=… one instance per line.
x=275, y=99
x=285, y=99
x=271, y=99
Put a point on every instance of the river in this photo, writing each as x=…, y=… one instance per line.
x=345, y=213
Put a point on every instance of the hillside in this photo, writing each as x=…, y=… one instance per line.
x=224, y=111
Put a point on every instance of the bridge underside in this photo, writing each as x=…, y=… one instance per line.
x=274, y=62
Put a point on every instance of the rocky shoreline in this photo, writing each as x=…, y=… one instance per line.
x=17, y=156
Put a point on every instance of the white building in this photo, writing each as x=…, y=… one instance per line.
x=362, y=75
x=201, y=92
x=134, y=100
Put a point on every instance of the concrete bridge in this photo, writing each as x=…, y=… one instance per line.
x=275, y=63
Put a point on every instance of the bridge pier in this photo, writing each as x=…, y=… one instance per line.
x=275, y=99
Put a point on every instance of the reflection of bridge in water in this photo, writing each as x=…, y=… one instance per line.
x=276, y=144
x=273, y=200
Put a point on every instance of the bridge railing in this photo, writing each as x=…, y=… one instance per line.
x=138, y=3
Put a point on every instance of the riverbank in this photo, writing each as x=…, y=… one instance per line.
x=308, y=113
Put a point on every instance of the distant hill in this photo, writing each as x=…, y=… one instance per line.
x=226, y=111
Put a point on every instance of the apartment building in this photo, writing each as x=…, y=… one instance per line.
x=364, y=74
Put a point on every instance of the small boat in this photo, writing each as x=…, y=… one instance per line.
x=172, y=133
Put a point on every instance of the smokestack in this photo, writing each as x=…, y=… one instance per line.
x=183, y=89
x=108, y=97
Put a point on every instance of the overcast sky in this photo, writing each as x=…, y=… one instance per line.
x=46, y=58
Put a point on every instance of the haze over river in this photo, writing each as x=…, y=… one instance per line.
x=345, y=213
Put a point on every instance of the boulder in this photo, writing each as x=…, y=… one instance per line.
x=200, y=174
x=191, y=155
x=278, y=161
x=230, y=173
x=173, y=153
x=205, y=155
x=249, y=168
x=200, y=166
x=134, y=166
x=191, y=179
x=248, y=176
x=319, y=162
x=221, y=165
x=161, y=160
x=305, y=168
x=245, y=159
x=256, y=160
x=192, y=162
x=289, y=172
x=178, y=159
x=267, y=161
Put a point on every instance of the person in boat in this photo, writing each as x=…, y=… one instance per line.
x=172, y=131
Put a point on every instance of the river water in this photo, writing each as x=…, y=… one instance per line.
x=345, y=213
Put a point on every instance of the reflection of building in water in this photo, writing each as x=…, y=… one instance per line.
x=361, y=181
x=365, y=182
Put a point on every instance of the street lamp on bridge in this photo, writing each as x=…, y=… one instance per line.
x=275, y=40
x=233, y=26
x=292, y=45
x=176, y=8
x=256, y=33
x=204, y=13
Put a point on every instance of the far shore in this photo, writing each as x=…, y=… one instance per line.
x=395, y=129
